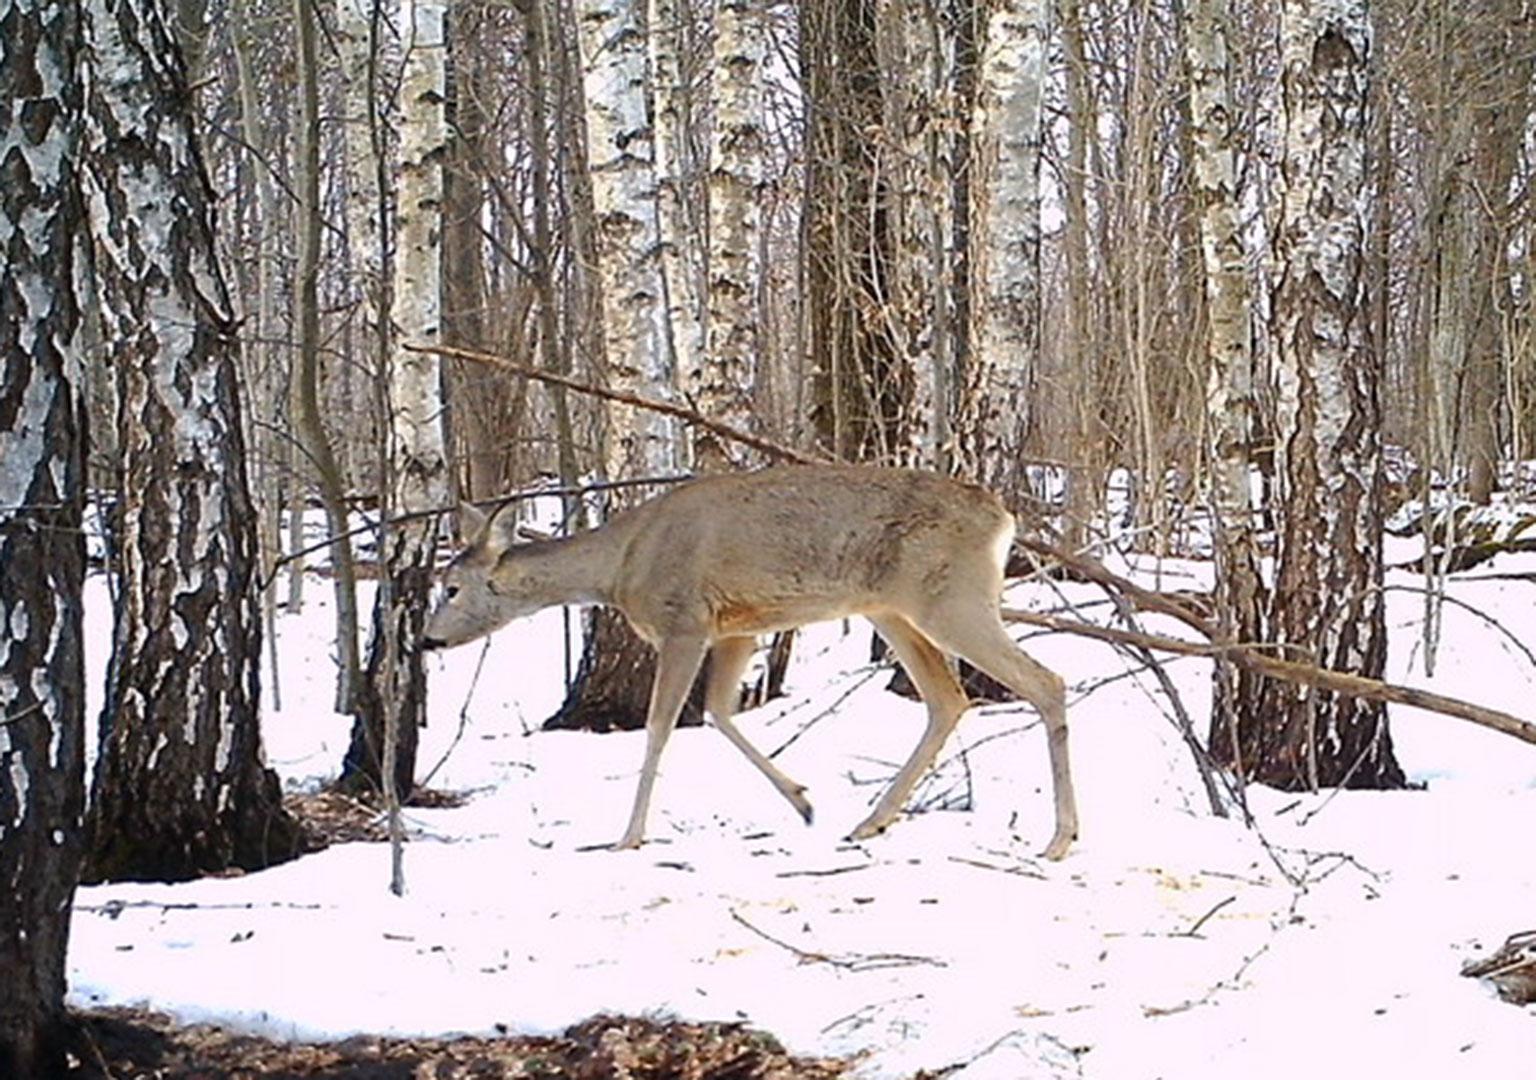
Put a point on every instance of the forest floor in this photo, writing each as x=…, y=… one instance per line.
x=135, y=1043
x=130, y=1044
x=1171, y=943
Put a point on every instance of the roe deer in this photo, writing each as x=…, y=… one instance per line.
x=713, y=563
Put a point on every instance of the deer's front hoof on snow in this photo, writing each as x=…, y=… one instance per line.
x=868, y=829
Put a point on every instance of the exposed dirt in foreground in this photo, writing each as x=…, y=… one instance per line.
x=132, y=1044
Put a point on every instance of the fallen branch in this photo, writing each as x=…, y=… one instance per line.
x=854, y=962
x=1250, y=657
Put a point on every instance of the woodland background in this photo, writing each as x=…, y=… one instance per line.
x=1267, y=264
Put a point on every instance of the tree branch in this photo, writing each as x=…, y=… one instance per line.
x=666, y=408
x=1250, y=657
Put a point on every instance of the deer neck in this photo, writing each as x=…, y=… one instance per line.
x=579, y=569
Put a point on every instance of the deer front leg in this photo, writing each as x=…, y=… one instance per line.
x=677, y=662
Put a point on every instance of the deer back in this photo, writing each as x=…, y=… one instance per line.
x=751, y=553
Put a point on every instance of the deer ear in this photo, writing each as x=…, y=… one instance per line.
x=501, y=528
x=471, y=521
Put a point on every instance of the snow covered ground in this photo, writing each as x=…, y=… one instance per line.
x=1325, y=941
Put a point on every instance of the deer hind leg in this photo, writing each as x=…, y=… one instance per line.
x=728, y=659
x=975, y=632
x=946, y=702
x=677, y=662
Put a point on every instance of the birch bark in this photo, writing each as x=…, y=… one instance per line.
x=615, y=78
x=613, y=681
x=42, y=487
x=681, y=215
x=395, y=686
x=180, y=788
x=1005, y=236
x=723, y=380
x=1328, y=606
x=1232, y=405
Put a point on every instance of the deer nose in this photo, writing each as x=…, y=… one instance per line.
x=430, y=643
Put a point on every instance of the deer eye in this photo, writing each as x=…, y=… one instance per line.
x=453, y=590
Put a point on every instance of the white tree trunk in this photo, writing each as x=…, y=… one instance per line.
x=1232, y=405
x=725, y=377
x=395, y=697
x=42, y=547
x=1005, y=229
x=1328, y=607
x=679, y=206
x=180, y=788
x=415, y=384
x=615, y=79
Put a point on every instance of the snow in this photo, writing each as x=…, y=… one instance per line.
x=1327, y=939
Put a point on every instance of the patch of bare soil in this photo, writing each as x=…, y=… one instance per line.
x=334, y=817
x=132, y=1044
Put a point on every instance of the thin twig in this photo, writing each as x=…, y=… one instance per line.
x=869, y=962
x=1017, y=871
x=1194, y=931
x=829, y=872
x=469, y=694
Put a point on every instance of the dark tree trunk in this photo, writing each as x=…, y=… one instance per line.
x=1498, y=128
x=42, y=554
x=613, y=681
x=484, y=400
x=771, y=684
x=362, y=769
x=860, y=384
x=180, y=789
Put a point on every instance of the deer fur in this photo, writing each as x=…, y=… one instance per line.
x=716, y=562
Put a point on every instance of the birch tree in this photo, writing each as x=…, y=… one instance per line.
x=723, y=379
x=1232, y=405
x=305, y=399
x=1005, y=234
x=680, y=214
x=612, y=686
x=395, y=688
x=615, y=80
x=1327, y=607
x=180, y=788
x=42, y=550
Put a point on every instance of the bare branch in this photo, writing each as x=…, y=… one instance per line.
x=1249, y=656
x=666, y=408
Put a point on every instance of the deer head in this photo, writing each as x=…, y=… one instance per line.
x=486, y=585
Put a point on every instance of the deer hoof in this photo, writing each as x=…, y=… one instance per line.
x=868, y=830
x=1057, y=848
